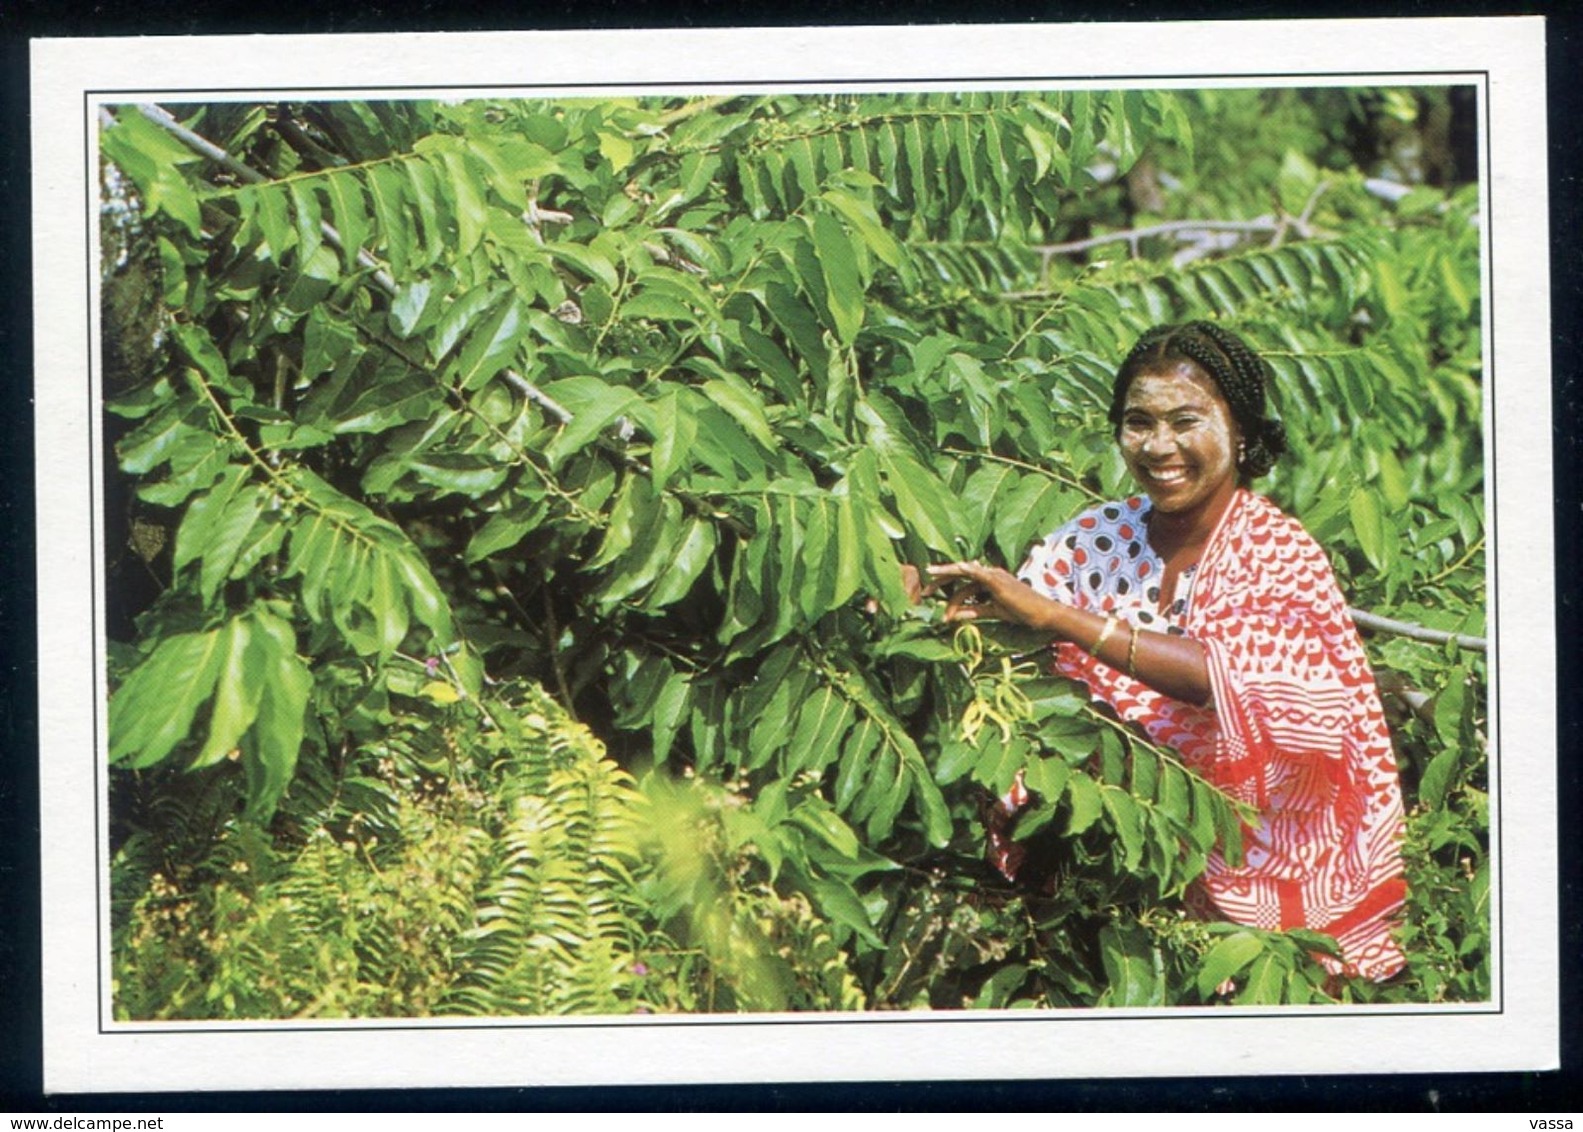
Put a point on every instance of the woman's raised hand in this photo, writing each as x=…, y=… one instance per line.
x=995, y=593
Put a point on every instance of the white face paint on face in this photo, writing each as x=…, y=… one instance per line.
x=1180, y=441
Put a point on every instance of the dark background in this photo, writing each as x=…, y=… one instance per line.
x=20, y=1019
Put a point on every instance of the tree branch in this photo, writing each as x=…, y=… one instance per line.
x=1373, y=622
x=1132, y=235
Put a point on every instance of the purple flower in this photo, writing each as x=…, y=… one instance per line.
x=640, y=969
x=432, y=665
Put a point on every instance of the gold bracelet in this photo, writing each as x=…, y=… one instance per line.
x=1104, y=635
x=1132, y=651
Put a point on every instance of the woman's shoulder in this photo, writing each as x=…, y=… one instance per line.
x=1263, y=514
x=1099, y=529
x=1119, y=519
x=1267, y=528
x=1113, y=513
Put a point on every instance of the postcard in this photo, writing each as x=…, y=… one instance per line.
x=748, y=555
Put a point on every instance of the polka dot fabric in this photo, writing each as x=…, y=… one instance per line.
x=1102, y=561
x=1294, y=726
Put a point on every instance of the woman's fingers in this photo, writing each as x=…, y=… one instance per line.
x=960, y=606
x=991, y=592
x=974, y=571
x=965, y=602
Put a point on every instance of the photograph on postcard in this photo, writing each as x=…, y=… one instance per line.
x=828, y=550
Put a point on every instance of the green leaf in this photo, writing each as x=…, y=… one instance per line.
x=282, y=709
x=849, y=549
x=821, y=722
x=1266, y=978
x=1438, y=775
x=1449, y=709
x=670, y=707
x=866, y=221
x=153, y=709
x=424, y=185
x=230, y=534
x=815, y=816
x=1047, y=777
x=634, y=510
x=1145, y=774
x=745, y=408
x=979, y=493
x=689, y=561
x=588, y=262
x=1369, y=524
x=1226, y=960
x=348, y=215
x=156, y=439
x=1173, y=795
x=502, y=531
x=427, y=601
x=471, y=214
x=1031, y=508
x=203, y=519
x=387, y=603
x=616, y=149
x=327, y=339
x=675, y=431
x=461, y=314
x=931, y=805
x=197, y=345
x=493, y=346
x=594, y=405
x=1087, y=802
x=1125, y=818
x=856, y=761
x=1133, y=968
x=818, y=561
x=154, y=160
x=654, y=305
x=382, y=405
x=843, y=285
x=414, y=306
x=840, y=904
x=637, y=571
x=925, y=504
x=387, y=189
x=237, y=692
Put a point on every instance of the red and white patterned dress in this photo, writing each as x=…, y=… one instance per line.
x=1294, y=725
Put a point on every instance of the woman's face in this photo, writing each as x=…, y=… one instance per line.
x=1179, y=440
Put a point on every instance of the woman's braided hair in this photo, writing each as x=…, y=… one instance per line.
x=1238, y=372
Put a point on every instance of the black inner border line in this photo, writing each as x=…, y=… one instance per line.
x=93, y=223
x=759, y=82
x=1491, y=512
x=1479, y=78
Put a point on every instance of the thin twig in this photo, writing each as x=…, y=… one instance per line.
x=682, y=113
x=1132, y=235
x=1373, y=622
x=1056, y=476
x=552, y=639
x=1300, y=221
x=1458, y=564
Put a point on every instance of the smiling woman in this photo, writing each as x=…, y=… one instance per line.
x=1206, y=616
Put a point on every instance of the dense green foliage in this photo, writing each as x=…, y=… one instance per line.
x=461, y=422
